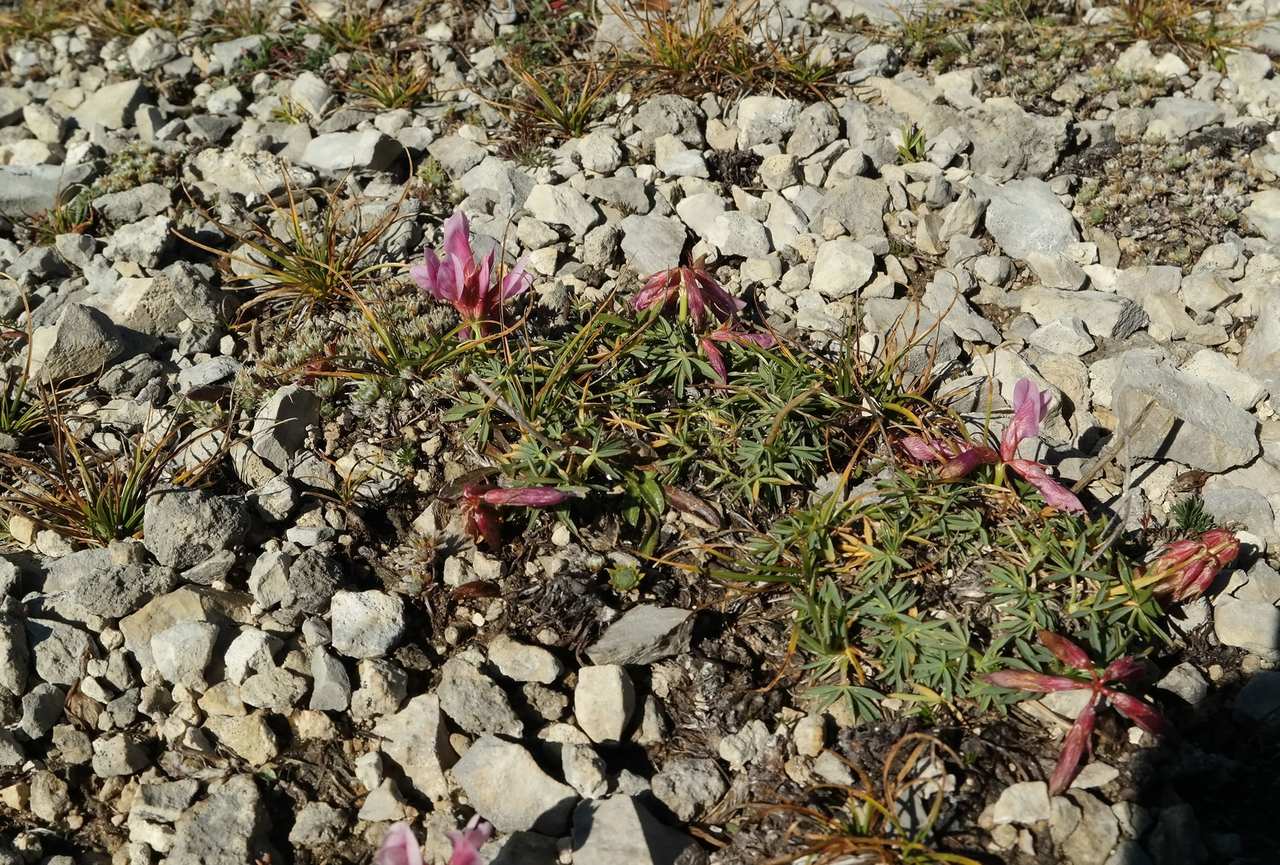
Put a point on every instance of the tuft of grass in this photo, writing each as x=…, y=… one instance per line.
x=912, y=148
x=313, y=256
x=289, y=111
x=232, y=19
x=20, y=414
x=1196, y=30
x=355, y=26
x=878, y=821
x=32, y=19
x=91, y=496
x=72, y=213
x=389, y=83
x=130, y=18
x=695, y=46
x=559, y=101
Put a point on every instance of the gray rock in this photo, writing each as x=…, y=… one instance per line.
x=131, y=205
x=112, y=106
x=503, y=782
x=229, y=54
x=689, y=786
x=858, y=204
x=1090, y=842
x=765, y=120
x=1190, y=421
x=113, y=591
x=668, y=114
x=15, y=658
x=456, y=155
x=1185, y=681
x=228, y=828
x=209, y=379
x=1022, y=804
x=1024, y=216
x=737, y=234
x=383, y=687
x=524, y=663
x=1248, y=507
x=643, y=635
x=115, y=756
x=280, y=427
x=274, y=689
x=604, y=701
x=143, y=242
x=317, y=824
x=499, y=184
x=366, y=624
x=164, y=801
x=183, y=651
x=182, y=528
x=474, y=702
x=12, y=103
x=562, y=205
x=1263, y=213
x=652, y=243
x=1259, y=699
x=672, y=158
x=1176, y=838
x=42, y=707
x=81, y=342
x=816, y=126
x=59, y=650
x=252, y=650
x=45, y=124
x=248, y=174
x=152, y=49
x=1248, y=623
x=331, y=686
x=1063, y=336
x=621, y=829
x=1104, y=314
x=1260, y=356
x=334, y=152
x=417, y=740
x=1175, y=117
x=11, y=755
x=29, y=189
x=312, y=579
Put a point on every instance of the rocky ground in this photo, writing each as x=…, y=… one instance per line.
x=263, y=596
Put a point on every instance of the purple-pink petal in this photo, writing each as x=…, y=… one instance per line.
x=1030, y=406
x=457, y=240
x=1065, y=650
x=525, y=497
x=1036, y=683
x=962, y=464
x=1054, y=493
x=1073, y=751
x=468, y=841
x=1138, y=711
x=1126, y=670
x=922, y=450
x=399, y=847
x=516, y=281
x=714, y=357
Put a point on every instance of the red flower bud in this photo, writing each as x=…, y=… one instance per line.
x=1186, y=569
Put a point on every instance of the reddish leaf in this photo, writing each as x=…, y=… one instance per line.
x=1138, y=711
x=1040, y=683
x=1128, y=671
x=1065, y=650
x=1073, y=751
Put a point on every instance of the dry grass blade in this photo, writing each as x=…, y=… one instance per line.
x=315, y=260
x=351, y=27
x=90, y=496
x=870, y=822
x=558, y=100
x=1196, y=30
x=389, y=83
x=130, y=18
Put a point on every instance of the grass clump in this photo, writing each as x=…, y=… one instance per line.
x=559, y=101
x=1195, y=30
x=127, y=19
x=389, y=82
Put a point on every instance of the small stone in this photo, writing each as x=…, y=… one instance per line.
x=417, y=740
x=504, y=783
x=337, y=152
x=366, y=624
x=1185, y=681
x=810, y=735
x=117, y=755
x=112, y=106
x=182, y=652
x=620, y=829
x=604, y=701
x=689, y=786
x=249, y=737
x=474, y=701
x=317, y=824
x=524, y=663
x=182, y=528
x=1022, y=804
x=643, y=635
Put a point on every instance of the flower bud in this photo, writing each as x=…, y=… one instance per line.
x=1186, y=569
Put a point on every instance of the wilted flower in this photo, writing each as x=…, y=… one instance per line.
x=729, y=332
x=1099, y=682
x=399, y=847
x=1030, y=405
x=456, y=278
x=1186, y=569
x=693, y=288
x=479, y=501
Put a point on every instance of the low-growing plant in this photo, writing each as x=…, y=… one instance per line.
x=92, y=496
x=888, y=820
x=1195, y=30
x=72, y=213
x=318, y=251
x=32, y=19
x=131, y=18
x=560, y=101
x=354, y=26
x=389, y=82
x=232, y=19
x=912, y=148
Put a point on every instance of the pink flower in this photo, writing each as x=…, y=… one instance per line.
x=1122, y=671
x=401, y=848
x=479, y=501
x=728, y=332
x=1186, y=569
x=693, y=287
x=960, y=458
x=468, y=841
x=456, y=278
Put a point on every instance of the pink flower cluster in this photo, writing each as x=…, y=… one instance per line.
x=696, y=294
x=1100, y=683
x=401, y=848
x=455, y=277
x=959, y=458
x=479, y=502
